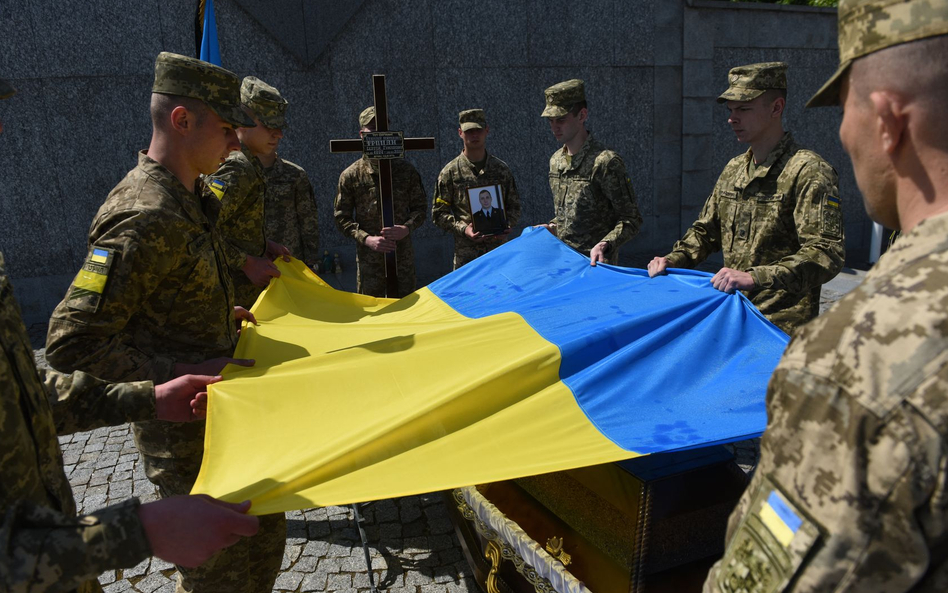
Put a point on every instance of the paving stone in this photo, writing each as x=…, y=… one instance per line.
x=168, y=587
x=305, y=564
x=339, y=581
x=314, y=582
x=107, y=577
x=450, y=555
x=118, y=587
x=328, y=565
x=290, y=554
x=409, y=510
x=316, y=548
x=288, y=581
x=337, y=551
x=418, y=577
x=120, y=490
x=138, y=570
x=152, y=582
x=318, y=528
x=157, y=564
x=413, y=529
x=438, y=588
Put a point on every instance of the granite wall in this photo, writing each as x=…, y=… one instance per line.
x=652, y=69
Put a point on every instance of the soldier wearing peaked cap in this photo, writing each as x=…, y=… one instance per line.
x=774, y=211
x=595, y=211
x=451, y=207
x=290, y=213
x=851, y=488
x=358, y=215
x=240, y=185
x=154, y=298
x=46, y=546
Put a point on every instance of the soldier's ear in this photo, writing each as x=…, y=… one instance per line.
x=778, y=106
x=182, y=120
x=891, y=118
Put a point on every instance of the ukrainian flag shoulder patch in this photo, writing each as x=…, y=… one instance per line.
x=780, y=518
x=217, y=187
x=89, y=284
x=832, y=201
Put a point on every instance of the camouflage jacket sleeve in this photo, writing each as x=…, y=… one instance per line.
x=83, y=337
x=417, y=202
x=701, y=240
x=81, y=402
x=511, y=200
x=442, y=205
x=344, y=207
x=308, y=218
x=241, y=207
x=822, y=244
x=617, y=187
x=43, y=550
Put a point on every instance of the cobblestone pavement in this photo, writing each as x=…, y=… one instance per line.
x=412, y=542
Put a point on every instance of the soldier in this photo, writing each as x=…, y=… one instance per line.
x=358, y=213
x=154, y=298
x=240, y=185
x=474, y=167
x=775, y=210
x=289, y=201
x=593, y=200
x=851, y=488
x=45, y=545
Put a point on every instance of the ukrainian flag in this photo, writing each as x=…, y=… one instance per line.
x=523, y=362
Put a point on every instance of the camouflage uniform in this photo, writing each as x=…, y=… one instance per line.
x=850, y=492
x=45, y=546
x=291, y=211
x=783, y=224
x=593, y=199
x=358, y=193
x=240, y=185
x=155, y=290
x=451, y=208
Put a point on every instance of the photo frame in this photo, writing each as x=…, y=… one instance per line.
x=488, y=218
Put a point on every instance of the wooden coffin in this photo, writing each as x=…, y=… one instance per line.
x=654, y=523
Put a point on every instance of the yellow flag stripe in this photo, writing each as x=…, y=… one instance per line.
x=91, y=281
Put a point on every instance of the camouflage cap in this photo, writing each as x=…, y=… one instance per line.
x=188, y=77
x=265, y=101
x=561, y=97
x=746, y=83
x=866, y=26
x=470, y=119
x=366, y=117
x=6, y=89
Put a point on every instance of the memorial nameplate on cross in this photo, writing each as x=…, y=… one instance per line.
x=384, y=145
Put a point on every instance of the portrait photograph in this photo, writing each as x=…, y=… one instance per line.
x=487, y=209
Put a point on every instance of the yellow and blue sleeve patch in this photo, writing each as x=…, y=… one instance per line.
x=832, y=202
x=99, y=256
x=780, y=518
x=89, y=284
x=217, y=187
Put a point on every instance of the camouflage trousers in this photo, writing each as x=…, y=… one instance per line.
x=249, y=566
x=370, y=270
x=466, y=251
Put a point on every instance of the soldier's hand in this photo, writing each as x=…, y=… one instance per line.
x=729, y=280
x=275, y=250
x=187, y=530
x=178, y=400
x=473, y=235
x=213, y=366
x=241, y=314
x=380, y=244
x=259, y=270
x=395, y=233
x=597, y=254
x=546, y=226
x=657, y=266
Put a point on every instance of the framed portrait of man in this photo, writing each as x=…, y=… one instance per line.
x=487, y=209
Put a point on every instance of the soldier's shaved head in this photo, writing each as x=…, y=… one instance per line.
x=916, y=70
x=163, y=105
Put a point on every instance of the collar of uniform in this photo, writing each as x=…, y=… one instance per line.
x=786, y=142
x=190, y=201
x=577, y=159
x=470, y=165
x=928, y=236
x=371, y=164
x=257, y=165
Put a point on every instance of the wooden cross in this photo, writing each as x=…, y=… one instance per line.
x=383, y=145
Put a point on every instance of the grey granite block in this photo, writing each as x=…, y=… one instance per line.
x=697, y=36
x=667, y=86
x=668, y=14
x=497, y=40
x=381, y=33
x=666, y=161
x=697, y=78
x=635, y=34
x=697, y=115
x=668, y=46
x=696, y=154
